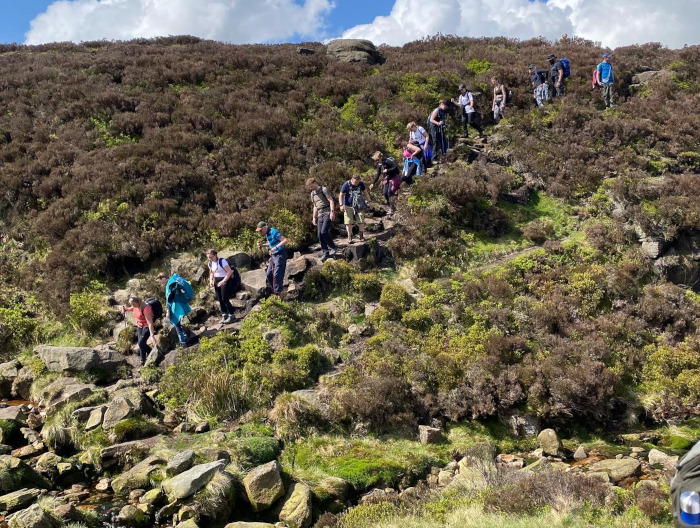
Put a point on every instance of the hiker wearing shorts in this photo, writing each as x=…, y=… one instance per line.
x=438, y=118
x=145, y=325
x=468, y=113
x=177, y=304
x=539, y=85
x=354, y=199
x=277, y=264
x=323, y=216
x=388, y=170
x=606, y=78
x=499, y=99
x=226, y=281
x=556, y=73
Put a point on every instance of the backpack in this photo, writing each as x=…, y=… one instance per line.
x=509, y=96
x=184, y=288
x=544, y=74
x=358, y=201
x=594, y=81
x=155, y=305
x=566, y=65
x=235, y=276
x=683, y=486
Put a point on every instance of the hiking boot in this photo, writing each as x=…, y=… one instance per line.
x=224, y=318
x=349, y=240
x=332, y=252
x=324, y=256
x=362, y=236
x=230, y=318
x=182, y=345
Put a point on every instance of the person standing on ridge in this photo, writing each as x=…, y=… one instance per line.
x=438, y=118
x=556, y=73
x=539, y=85
x=354, y=199
x=468, y=113
x=178, y=294
x=388, y=170
x=145, y=319
x=277, y=264
x=225, y=280
x=500, y=95
x=323, y=216
x=606, y=79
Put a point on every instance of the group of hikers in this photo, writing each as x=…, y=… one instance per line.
x=419, y=150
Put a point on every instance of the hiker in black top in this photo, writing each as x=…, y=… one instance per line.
x=226, y=281
x=556, y=72
x=389, y=171
x=438, y=119
x=499, y=99
x=323, y=216
x=540, y=88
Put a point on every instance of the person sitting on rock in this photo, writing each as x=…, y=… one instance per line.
x=354, y=200
x=145, y=325
x=418, y=135
x=226, y=281
x=388, y=170
x=178, y=294
x=277, y=264
x=413, y=156
x=323, y=216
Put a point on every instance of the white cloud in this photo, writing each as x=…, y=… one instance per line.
x=614, y=23
x=235, y=21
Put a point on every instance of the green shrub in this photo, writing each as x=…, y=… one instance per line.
x=395, y=300
x=334, y=276
x=16, y=327
x=151, y=374
x=134, y=429
x=295, y=417
x=88, y=310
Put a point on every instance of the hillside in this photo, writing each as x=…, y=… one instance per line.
x=546, y=279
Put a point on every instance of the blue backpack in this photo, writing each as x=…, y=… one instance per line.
x=567, y=67
x=184, y=288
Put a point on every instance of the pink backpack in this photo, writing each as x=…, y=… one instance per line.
x=594, y=82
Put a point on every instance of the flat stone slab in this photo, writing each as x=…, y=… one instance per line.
x=618, y=469
x=18, y=499
x=192, y=480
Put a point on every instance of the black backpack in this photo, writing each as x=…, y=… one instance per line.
x=509, y=96
x=155, y=305
x=236, y=276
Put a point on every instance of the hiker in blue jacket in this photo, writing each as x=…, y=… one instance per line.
x=556, y=72
x=178, y=294
x=606, y=78
x=277, y=264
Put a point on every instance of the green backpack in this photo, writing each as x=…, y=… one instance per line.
x=685, y=490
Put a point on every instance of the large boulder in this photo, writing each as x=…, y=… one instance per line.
x=130, y=515
x=138, y=477
x=22, y=384
x=354, y=50
x=64, y=391
x=263, y=485
x=297, y=509
x=18, y=499
x=14, y=413
x=180, y=463
x=649, y=76
x=255, y=282
x=8, y=373
x=22, y=476
x=189, y=267
x=124, y=404
x=79, y=359
x=120, y=453
x=32, y=517
x=549, y=442
x=239, y=259
x=618, y=469
x=192, y=480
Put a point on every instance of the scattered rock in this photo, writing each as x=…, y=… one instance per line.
x=126, y=403
x=354, y=50
x=103, y=484
x=603, y=476
x=521, y=424
x=189, y=523
x=429, y=435
x=273, y=337
x=660, y=458
x=32, y=517
x=190, y=481
x=119, y=453
x=14, y=413
x=239, y=259
x=152, y=497
x=8, y=373
x=511, y=461
x=255, y=282
x=64, y=391
x=22, y=385
x=18, y=499
x=96, y=417
x=132, y=516
x=649, y=76
x=189, y=267
x=185, y=427
x=445, y=478
x=264, y=485
x=180, y=463
x=618, y=469
x=138, y=477
x=297, y=509
x=79, y=359
x=549, y=442
x=580, y=453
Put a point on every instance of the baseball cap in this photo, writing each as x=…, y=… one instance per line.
x=690, y=508
x=606, y=55
x=531, y=67
x=550, y=57
x=462, y=87
x=261, y=225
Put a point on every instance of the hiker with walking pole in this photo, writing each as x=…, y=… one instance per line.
x=277, y=264
x=437, y=121
x=145, y=316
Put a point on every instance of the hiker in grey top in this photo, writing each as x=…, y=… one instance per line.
x=323, y=216
x=556, y=72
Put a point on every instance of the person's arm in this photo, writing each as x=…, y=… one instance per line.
x=211, y=275
x=366, y=193
x=282, y=242
x=380, y=171
x=560, y=77
x=331, y=202
x=148, y=315
x=425, y=135
x=341, y=199
x=314, y=218
x=229, y=272
x=433, y=118
x=503, y=96
x=598, y=69
x=127, y=308
x=413, y=148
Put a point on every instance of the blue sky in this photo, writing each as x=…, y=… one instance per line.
x=17, y=14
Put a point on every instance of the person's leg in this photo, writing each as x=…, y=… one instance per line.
x=319, y=232
x=227, y=292
x=280, y=267
x=219, y=294
x=270, y=273
x=349, y=221
x=144, y=349
x=386, y=191
x=360, y=217
x=465, y=123
x=181, y=334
